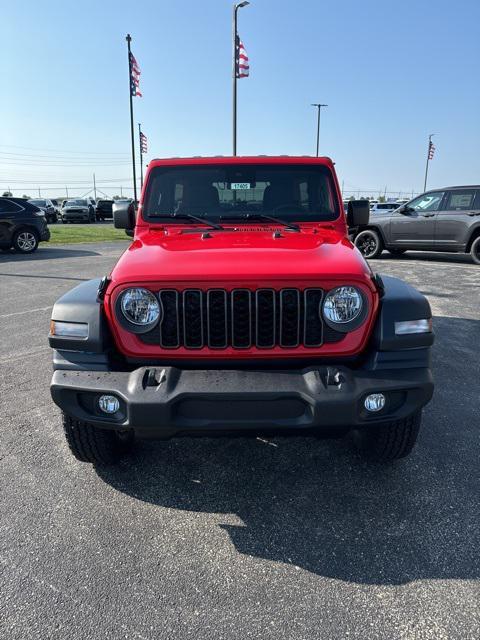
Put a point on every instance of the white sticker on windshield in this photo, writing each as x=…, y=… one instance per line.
x=235, y=186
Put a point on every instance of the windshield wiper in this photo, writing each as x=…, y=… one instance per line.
x=188, y=216
x=262, y=216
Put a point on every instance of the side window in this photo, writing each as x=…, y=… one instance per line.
x=7, y=206
x=476, y=204
x=428, y=202
x=460, y=200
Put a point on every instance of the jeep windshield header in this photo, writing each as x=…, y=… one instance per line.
x=296, y=192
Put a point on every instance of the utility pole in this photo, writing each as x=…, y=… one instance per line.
x=39, y=194
x=236, y=7
x=141, y=154
x=428, y=160
x=129, y=39
x=94, y=189
x=121, y=192
x=319, y=107
x=66, y=191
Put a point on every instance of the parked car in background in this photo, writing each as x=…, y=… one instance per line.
x=77, y=210
x=383, y=207
x=22, y=225
x=104, y=209
x=47, y=206
x=57, y=207
x=440, y=220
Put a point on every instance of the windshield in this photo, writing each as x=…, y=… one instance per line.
x=38, y=203
x=294, y=192
x=76, y=203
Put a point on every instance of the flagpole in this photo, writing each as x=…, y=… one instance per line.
x=236, y=7
x=141, y=155
x=428, y=160
x=129, y=39
x=234, y=39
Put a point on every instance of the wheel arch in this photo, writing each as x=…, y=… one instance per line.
x=371, y=227
x=475, y=233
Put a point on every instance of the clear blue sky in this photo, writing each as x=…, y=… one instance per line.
x=391, y=73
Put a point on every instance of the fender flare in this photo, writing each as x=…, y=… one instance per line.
x=400, y=301
x=82, y=304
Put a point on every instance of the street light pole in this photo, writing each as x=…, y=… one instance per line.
x=319, y=107
x=428, y=160
x=236, y=7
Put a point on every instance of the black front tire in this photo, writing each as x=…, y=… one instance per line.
x=475, y=250
x=101, y=447
x=369, y=243
x=392, y=440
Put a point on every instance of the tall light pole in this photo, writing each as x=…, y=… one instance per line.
x=319, y=108
x=236, y=7
x=428, y=160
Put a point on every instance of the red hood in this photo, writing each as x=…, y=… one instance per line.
x=250, y=253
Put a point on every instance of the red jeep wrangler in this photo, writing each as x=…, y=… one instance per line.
x=241, y=307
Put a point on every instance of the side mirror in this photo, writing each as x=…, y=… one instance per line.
x=124, y=217
x=358, y=213
x=405, y=209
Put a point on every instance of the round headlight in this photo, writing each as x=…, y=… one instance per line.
x=140, y=307
x=343, y=306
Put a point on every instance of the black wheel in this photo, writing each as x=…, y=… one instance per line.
x=25, y=241
x=369, y=243
x=475, y=250
x=397, y=252
x=64, y=221
x=91, y=444
x=391, y=440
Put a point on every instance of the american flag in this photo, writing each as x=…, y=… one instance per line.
x=134, y=76
x=242, y=66
x=431, y=150
x=143, y=143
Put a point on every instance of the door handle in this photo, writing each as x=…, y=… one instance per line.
x=428, y=215
x=473, y=213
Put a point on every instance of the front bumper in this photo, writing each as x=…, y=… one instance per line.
x=160, y=402
x=76, y=215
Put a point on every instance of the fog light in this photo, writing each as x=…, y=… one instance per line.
x=375, y=402
x=108, y=404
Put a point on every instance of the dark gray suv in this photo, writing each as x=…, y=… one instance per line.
x=440, y=220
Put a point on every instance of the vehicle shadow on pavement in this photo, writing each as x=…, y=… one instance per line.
x=319, y=506
x=46, y=254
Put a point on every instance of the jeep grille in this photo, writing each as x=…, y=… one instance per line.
x=241, y=319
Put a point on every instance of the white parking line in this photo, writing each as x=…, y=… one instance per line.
x=20, y=313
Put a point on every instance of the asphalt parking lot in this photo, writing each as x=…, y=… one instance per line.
x=294, y=539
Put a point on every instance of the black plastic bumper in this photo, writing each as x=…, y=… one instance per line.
x=161, y=402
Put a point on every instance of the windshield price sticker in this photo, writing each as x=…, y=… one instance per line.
x=235, y=186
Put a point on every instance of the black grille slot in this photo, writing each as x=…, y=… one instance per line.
x=217, y=318
x=241, y=301
x=289, y=317
x=312, y=323
x=192, y=319
x=170, y=327
x=263, y=318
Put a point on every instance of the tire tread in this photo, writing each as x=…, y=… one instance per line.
x=89, y=443
x=393, y=440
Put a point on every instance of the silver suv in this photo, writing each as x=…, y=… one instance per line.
x=441, y=220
